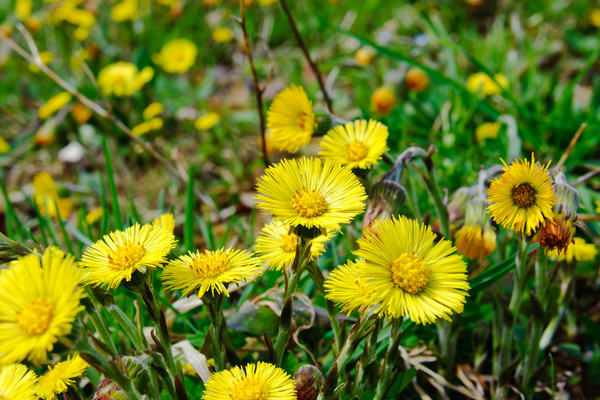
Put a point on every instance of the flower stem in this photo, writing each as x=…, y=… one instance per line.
x=98, y=321
x=216, y=330
x=389, y=371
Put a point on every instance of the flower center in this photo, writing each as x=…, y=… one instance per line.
x=308, y=203
x=126, y=256
x=303, y=122
x=36, y=317
x=249, y=389
x=210, y=264
x=410, y=273
x=356, y=151
x=288, y=242
x=524, y=195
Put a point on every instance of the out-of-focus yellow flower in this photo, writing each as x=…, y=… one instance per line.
x=123, y=79
x=125, y=10
x=597, y=206
x=153, y=110
x=595, y=17
x=81, y=33
x=177, y=56
x=267, y=2
x=383, y=100
x=416, y=80
x=6, y=30
x=211, y=3
x=46, y=57
x=4, y=146
x=94, y=215
x=33, y=24
x=165, y=221
x=169, y=3
x=45, y=196
x=480, y=82
x=488, y=130
x=153, y=125
x=54, y=104
x=81, y=114
x=579, y=250
x=207, y=121
x=77, y=58
x=364, y=55
x=23, y=9
x=222, y=35
x=45, y=135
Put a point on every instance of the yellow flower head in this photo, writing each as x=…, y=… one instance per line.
x=364, y=55
x=358, y=144
x=473, y=241
x=207, y=121
x=125, y=10
x=276, y=247
x=488, y=130
x=166, y=221
x=177, y=56
x=119, y=254
x=522, y=197
x=59, y=377
x=579, y=250
x=4, y=146
x=81, y=114
x=153, y=110
x=222, y=35
x=38, y=304
x=261, y=381
x=46, y=197
x=348, y=289
x=94, y=215
x=210, y=270
x=23, y=9
x=154, y=124
x=595, y=17
x=291, y=119
x=383, y=100
x=410, y=274
x=481, y=82
x=123, y=79
x=416, y=80
x=17, y=382
x=311, y=193
x=54, y=104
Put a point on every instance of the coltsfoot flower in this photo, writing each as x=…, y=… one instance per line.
x=17, y=382
x=123, y=79
x=59, y=377
x=177, y=56
x=475, y=241
x=481, y=82
x=348, y=289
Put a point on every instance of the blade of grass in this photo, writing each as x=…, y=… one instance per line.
x=223, y=241
x=134, y=212
x=188, y=226
x=11, y=215
x=61, y=225
x=206, y=231
x=104, y=204
x=111, y=185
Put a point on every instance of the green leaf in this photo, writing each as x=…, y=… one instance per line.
x=255, y=321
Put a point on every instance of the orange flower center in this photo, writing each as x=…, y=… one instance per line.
x=410, y=273
x=211, y=264
x=309, y=203
x=126, y=256
x=288, y=242
x=249, y=389
x=35, y=317
x=524, y=195
x=356, y=151
x=303, y=122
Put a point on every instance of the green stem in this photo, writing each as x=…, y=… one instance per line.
x=127, y=326
x=111, y=184
x=391, y=356
x=367, y=365
x=431, y=181
x=98, y=321
x=216, y=330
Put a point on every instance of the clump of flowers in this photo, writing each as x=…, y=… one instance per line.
x=123, y=79
x=177, y=56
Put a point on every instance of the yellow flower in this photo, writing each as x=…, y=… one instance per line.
x=595, y=17
x=416, y=80
x=77, y=58
x=167, y=2
x=123, y=79
x=81, y=33
x=38, y=304
x=579, y=250
x=207, y=121
x=357, y=144
x=33, y=24
x=210, y=270
x=23, y=9
x=222, y=35
x=473, y=241
x=488, y=130
x=45, y=195
x=59, y=377
x=153, y=110
x=521, y=198
x=46, y=57
x=154, y=124
x=81, y=114
x=267, y=2
x=345, y=287
x=54, y=104
x=261, y=381
x=311, y=193
x=94, y=215
x=480, y=82
x=119, y=254
x=291, y=119
x=410, y=274
x=4, y=146
x=383, y=100
x=364, y=55
x=17, y=382
x=125, y=10
x=276, y=247
x=166, y=221
x=177, y=56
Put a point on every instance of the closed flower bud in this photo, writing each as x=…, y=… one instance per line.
x=383, y=100
x=416, y=80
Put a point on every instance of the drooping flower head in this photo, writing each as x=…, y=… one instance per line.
x=311, y=193
x=177, y=56
x=476, y=238
x=45, y=195
x=59, y=377
x=261, y=381
x=291, y=119
x=348, y=289
x=17, y=382
x=521, y=198
x=210, y=270
x=38, y=304
x=276, y=246
x=358, y=144
x=410, y=274
x=123, y=79
x=119, y=254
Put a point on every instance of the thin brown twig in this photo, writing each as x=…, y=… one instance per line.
x=576, y=137
x=258, y=89
x=313, y=65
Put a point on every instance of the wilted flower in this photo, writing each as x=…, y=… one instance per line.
x=579, y=250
